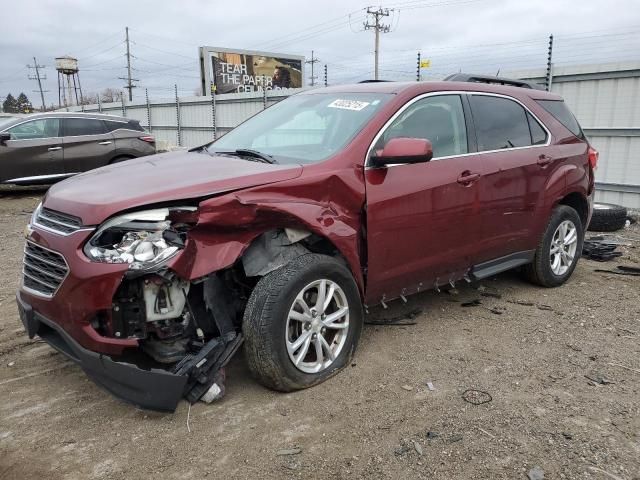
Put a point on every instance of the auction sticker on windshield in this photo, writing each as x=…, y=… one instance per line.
x=348, y=104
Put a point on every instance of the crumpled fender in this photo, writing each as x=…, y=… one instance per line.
x=327, y=204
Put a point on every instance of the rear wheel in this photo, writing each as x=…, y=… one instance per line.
x=121, y=158
x=302, y=323
x=559, y=250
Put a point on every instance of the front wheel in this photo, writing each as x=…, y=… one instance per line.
x=559, y=250
x=302, y=323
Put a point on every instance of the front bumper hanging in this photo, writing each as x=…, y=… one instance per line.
x=152, y=389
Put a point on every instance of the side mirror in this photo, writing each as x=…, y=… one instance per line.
x=403, y=150
x=4, y=138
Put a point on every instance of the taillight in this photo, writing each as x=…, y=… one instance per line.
x=148, y=139
x=593, y=158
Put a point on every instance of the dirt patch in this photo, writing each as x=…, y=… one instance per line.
x=509, y=382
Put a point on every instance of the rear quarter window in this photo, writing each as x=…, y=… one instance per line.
x=561, y=112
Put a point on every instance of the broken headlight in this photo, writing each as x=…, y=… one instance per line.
x=141, y=239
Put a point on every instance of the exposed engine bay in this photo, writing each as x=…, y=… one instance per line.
x=194, y=328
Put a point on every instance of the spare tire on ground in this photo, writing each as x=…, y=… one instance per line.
x=607, y=217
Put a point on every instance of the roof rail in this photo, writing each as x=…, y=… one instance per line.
x=374, y=81
x=467, y=77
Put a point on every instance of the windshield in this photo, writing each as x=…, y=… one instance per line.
x=303, y=128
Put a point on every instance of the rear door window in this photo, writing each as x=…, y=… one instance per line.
x=561, y=112
x=500, y=123
x=538, y=134
x=75, y=127
x=41, y=128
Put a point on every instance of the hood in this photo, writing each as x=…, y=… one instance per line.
x=98, y=194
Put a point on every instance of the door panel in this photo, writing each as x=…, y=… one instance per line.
x=422, y=226
x=35, y=150
x=423, y=219
x=87, y=145
x=516, y=168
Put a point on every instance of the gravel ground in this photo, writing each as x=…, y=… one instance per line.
x=561, y=367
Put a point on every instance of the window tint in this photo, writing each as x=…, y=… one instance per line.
x=135, y=125
x=42, y=128
x=439, y=119
x=111, y=125
x=538, y=135
x=500, y=123
x=82, y=126
x=559, y=110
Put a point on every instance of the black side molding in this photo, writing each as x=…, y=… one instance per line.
x=493, y=267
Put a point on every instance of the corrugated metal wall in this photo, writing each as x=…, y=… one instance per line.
x=604, y=98
x=606, y=101
x=188, y=122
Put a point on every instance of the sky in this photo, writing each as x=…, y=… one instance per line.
x=479, y=36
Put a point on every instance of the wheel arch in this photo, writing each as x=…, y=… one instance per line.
x=578, y=201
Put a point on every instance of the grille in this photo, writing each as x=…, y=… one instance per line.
x=58, y=222
x=43, y=270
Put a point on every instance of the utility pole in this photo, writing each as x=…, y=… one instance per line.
x=325, y=75
x=130, y=86
x=549, y=77
x=313, y=61
x=418, y=72
x=378, y=28
x=39, y=78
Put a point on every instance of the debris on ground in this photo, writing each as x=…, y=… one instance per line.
x=471, y=303
x=289, y=451
x=418, y=448
x=408, y=388
x=622, y=270
x=399, y=320
x=599, y=379
x=599, y=249
x=430, y=386
x=432, y=435
x=526, y=303
x=476, y=397
x=536, y=473
x=401, y=450
x=497, y=310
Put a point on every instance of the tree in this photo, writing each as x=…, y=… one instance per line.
x=110, y=95
x=89, y=99
x=10, y=104
x=23, y=105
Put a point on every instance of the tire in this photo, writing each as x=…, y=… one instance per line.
x=267, y=325
x=541, y=271
x=122, y=158
x=607, y=217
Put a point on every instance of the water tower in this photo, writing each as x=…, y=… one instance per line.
x=67, y=68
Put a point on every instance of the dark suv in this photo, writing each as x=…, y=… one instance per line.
x=150, y=274
x=46, y=147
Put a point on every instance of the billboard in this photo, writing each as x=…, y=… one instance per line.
x=224, y=70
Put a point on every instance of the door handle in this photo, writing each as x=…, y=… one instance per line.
x=106, y=142
x=544, y=160
x=467, y=178
x=54, y=149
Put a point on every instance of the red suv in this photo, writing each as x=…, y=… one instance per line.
x=151, y=273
